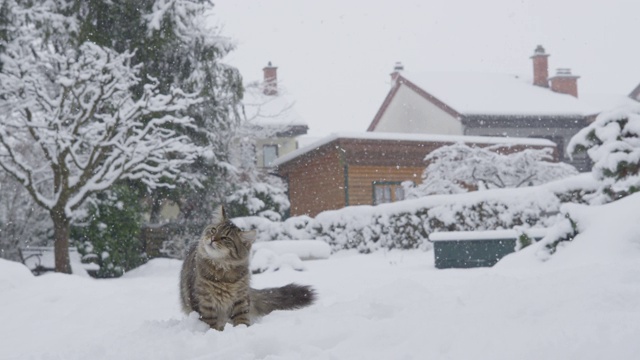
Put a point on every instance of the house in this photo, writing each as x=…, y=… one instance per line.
x=368, y=168
x=492, y=105
x=270, y=114
x=635, y=94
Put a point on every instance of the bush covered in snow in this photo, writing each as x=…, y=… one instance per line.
x=456, y=168
x=594, y=234
x=407, y=224
x=612, y=142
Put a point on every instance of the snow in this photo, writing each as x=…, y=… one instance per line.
x=266, y=110
x=266, y=260
x=483, y=235
x=608, y=234
x=501, y=94
x=581, y=303
x=13, y=275
x=43, y=256
x=411, y=137
x=304, y=249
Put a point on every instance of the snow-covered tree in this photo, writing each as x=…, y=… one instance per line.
x=109, y=235
x=458, y=168
x=178, y=43
x=22, y=222
x=71, y=127
x=612, y=142
x=255, y=191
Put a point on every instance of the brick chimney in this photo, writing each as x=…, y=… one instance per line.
x=270, y=80
x=540, y=67
x=565, y=83
x=397, y=69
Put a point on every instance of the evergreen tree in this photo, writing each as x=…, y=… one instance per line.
x=110, y=234
x=174, y=45
x=612, y=142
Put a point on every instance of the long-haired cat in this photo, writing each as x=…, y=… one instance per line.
x=214, y=281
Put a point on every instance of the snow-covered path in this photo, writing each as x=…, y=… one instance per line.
x=386, y=305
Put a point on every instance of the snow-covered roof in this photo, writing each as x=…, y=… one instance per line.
x=605, y=102
x=497, y=94
x=412, y=137
x=270, y=110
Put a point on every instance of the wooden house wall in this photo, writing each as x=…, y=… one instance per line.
x=316, y=183
x=361, y=179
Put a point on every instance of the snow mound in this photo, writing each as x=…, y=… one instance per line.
x=304, y=249
x=606, y=234
x=13, y=274
x=264, y=260
x=155, y=268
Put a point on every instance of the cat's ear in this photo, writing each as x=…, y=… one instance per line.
x=248, y=237
x=219, y=216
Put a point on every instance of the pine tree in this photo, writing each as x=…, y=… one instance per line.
x=174, y=45
x=110, y=234
x=612, y=142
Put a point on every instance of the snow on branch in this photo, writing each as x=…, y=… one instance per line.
x=612, y=142
x=70, y=126
x=458, y=168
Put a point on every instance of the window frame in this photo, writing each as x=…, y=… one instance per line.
x=264, y=154
x=392, y=186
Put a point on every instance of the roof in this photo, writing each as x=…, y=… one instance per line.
x=269, y=110
x=411, y=137
x=603, y=102
x=635, y=93
x=496, y=94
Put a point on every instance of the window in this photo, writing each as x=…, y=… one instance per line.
x=269, y=154
x=387, y=191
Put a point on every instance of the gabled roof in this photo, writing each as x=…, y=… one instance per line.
x=494, y=94
x=635, y=93
x=270, y=110
x=403, y=137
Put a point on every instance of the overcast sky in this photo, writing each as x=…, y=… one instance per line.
x=334, y=56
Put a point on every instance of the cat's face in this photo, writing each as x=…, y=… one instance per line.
x=223, y=240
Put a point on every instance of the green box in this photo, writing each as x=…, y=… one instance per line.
x=471, y=253
x=468, y=249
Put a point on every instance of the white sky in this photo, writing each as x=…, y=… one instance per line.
x=335, y=56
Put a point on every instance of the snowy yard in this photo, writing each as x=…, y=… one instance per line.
x=385, y=305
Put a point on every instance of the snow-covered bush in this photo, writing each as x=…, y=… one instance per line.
x=407, y=224
x=612, y=142
x=587, y=235
x=456, y=168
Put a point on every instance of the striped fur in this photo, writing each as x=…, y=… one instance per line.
x=215, y=277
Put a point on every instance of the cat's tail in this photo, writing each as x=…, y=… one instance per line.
x=288, y=297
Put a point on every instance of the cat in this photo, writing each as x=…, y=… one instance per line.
x=215, y=276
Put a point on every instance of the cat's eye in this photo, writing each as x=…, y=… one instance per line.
x=213, y=231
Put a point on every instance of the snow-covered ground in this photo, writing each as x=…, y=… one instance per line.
x=582, y=303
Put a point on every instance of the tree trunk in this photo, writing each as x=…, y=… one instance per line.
x=61, y=228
